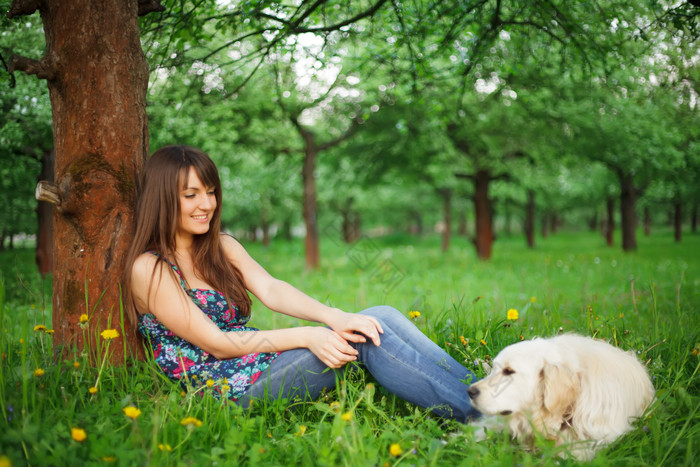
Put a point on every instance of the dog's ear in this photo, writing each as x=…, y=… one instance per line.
x=560, y=388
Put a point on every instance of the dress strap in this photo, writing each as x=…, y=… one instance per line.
x=183, y=283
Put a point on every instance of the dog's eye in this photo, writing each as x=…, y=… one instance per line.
x=508, y=371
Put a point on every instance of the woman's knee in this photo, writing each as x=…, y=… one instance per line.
x=383, y=313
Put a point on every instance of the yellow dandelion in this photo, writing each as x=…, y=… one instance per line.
x=109, y=459
x=347, y=416
x=191, y=421
x=464, y=341
x=302, y=430
x=335, y=406
x=533, y=299
x=131, y=412
x=622, y=315
x=165, y=447
x=108, y=334
x=395, y=450
x=92, y=390
x=5, y=461
x=50, y=331
x=483, y=342
x=210, y=382
x=261, y=450
x=512, y=314
x=39, y=372
x=414, y=314
x=21, y=341
x=76, y=364
x=225, y=388
x=696, y=352
x=39, y=327
x=78, y=434
x=183, y=393
x=83, y=318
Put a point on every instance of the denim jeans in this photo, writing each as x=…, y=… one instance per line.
x=407, y=363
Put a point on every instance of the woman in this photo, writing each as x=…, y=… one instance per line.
x=186, y=287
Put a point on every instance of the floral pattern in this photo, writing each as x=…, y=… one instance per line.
x=183, y=361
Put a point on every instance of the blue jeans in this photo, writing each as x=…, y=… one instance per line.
x=407, y=363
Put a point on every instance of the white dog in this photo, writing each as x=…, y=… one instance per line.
x=569, y=388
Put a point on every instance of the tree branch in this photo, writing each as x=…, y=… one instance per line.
x=295, y=28
x=41, y=68
x=13, y=82
x=23, y=7
x=149, y=6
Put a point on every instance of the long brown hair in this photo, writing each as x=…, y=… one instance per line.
x=157, y=214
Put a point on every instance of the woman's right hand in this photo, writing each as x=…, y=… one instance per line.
x=329, y=347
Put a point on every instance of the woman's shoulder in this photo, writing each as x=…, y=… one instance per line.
x=144, y=264
x=231, y=246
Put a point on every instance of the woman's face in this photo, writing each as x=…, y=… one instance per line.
x=197, y=205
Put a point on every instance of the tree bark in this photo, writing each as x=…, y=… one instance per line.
x=678, y=221
x=529, y=224
x=482, y=208
x=694, y=218
x=310, y=205
x=44, y=211
x=628, y=201
x=97, y=77
x=446, y=195
x=610, y=221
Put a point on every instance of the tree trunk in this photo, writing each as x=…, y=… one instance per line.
x=287, y=229
x=3, y=236
x=311, y=244
x=529, y=224
x=647, y=221
x=610, y=221
x=265, y=221
x=44, y=211
x=462, y=227
x=482, y=208
x=694, y=219
x=545, y=225
x=507, y=218
x=593, y=221
x=97, y=77
x=628, y=201
x=553, y=223
x=265, y=227
x=446, y=195
x=416, y=226
x=677, y=221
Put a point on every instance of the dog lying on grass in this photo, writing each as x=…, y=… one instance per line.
x=569, y=388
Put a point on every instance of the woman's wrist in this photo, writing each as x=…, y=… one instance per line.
x=332, y=316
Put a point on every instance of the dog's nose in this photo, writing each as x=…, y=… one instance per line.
x=473, y=392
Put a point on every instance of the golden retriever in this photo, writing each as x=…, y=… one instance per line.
x=570, y=388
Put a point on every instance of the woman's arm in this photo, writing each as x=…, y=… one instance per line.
x=161, y=294
x=281, y=297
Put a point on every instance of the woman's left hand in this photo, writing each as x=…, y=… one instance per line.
x=355, y=327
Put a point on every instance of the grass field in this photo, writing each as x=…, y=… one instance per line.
x=646, y=301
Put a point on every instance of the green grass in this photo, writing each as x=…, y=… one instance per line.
x=645, y=301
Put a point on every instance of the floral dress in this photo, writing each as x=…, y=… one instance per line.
x=187, y=363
